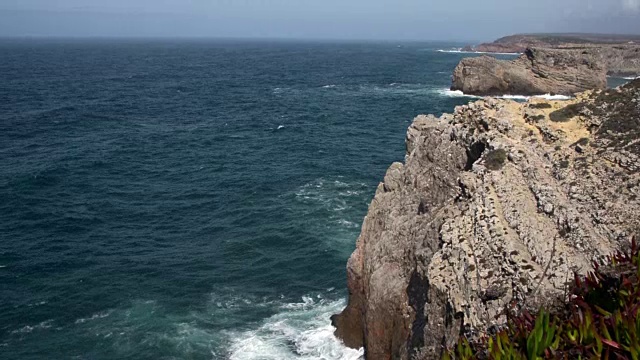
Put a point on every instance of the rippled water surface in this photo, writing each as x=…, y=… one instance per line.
x=194, y=199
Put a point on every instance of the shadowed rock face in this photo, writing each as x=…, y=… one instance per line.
x=499, y=202
x=536, y=72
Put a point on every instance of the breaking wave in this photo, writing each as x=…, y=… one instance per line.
x=299, y=331
x=460, y=51
x=458, y=93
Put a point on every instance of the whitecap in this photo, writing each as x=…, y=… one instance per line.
x=300, y=331
x=458, y=93
x=347, y=223
x=3, y=266
x=280, y=127
x=97, y=316
x=460, y=51
x=631, y=77
x=331, y=86
x=455, y=93
x=455, y=50
x=40, y=303
x=545, y=96
x=28, y=328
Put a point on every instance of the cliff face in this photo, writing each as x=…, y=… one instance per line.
x=620, y=54
x=495, y=205
x=537, y=71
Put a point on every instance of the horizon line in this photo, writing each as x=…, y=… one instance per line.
x=231, y=38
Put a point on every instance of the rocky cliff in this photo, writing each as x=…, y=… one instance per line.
x=494, y=208
x=620, y=54
x=537, y=71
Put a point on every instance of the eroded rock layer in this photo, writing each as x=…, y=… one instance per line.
x=619, y=53
x=495, y=205
x=536, y=72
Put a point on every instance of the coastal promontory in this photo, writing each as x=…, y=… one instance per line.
x=495, y=205
x=620, y=54
x=536, y=72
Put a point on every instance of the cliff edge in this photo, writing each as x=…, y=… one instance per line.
x=536, y=72
x=620, y=54
x=494, y=208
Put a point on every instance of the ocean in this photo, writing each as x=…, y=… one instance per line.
x=194, y=199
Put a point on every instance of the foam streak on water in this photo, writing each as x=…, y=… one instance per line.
x=458, y=93
x=460, y=51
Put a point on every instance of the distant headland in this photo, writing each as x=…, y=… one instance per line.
x=620, y=53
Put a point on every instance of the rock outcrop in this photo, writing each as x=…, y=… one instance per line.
x=620, y=54
x=536, y=72
x=494, y=208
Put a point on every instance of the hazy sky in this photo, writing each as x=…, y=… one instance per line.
x=329, y=19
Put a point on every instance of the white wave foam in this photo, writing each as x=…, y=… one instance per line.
x=631, y=77
x=27, y=329
x=329, y=86
x=457, y=50
x=455, y=93
x=97, y=316
x=40, y=303
x=330, y=192
x=347, y=223
x=280, y=127
x=458, y=93
x=545, y=96
x=460, y=51
x=299, y=331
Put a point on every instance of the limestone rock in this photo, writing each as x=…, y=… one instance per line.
x=454, y=236
x=619, y=53
x=536, y=72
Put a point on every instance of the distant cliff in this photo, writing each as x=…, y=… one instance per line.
x=619, y=53
x=495, y=205
x=537, y=71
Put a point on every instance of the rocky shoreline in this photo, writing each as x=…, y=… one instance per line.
x=496, y=206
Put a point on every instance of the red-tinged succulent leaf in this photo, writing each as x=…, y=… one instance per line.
x=611, y=343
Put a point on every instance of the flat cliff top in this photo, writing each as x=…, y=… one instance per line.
x=620, y=53
x=569, y=38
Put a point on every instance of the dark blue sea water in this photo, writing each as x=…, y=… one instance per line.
x=194, y=199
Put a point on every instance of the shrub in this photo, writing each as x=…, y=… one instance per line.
x=543, y=105
x=495, y=159
x=566, y=113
